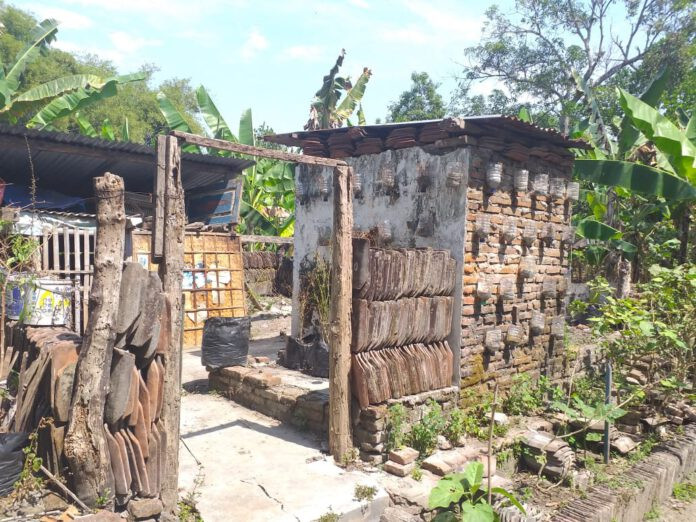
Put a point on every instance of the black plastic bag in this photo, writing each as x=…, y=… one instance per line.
x=11, y=459
x=309, y=354
x=225, y=342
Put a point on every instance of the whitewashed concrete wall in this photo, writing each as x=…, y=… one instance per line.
x=419, y=216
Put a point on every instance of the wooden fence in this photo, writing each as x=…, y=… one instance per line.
x=213, y=283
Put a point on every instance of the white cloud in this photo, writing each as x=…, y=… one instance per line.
x=359, y=3
x=306, y=53
x=446, y=26
x=129, y=43
x=68, y=19
x=117, y=57
x=255, y=43
x=180, y=9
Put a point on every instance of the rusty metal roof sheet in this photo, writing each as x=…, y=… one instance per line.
x=68, y=162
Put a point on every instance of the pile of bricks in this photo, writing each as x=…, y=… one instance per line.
x=262, y=390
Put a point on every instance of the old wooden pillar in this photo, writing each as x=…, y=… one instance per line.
x=86, y=448
x=171, y=272
x=340, y=440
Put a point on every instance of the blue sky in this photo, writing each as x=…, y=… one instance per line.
x=271, y=55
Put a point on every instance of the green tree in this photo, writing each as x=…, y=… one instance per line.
x=136, y=102
x=534, y=49
x=420, y=102
x=325, y=111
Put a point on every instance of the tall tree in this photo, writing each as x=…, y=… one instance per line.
x=420, y=102
x=534, y=50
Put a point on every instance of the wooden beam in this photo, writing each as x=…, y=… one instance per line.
x=86, y=448
x=275, y=240
x=340, y=440
x=171, y=272
x=256, y=151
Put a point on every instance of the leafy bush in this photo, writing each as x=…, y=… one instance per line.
x=423, y=435
x=456, y=426
x=527, y=397
x=396, y=415
x=657, y=321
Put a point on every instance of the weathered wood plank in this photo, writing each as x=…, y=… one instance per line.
x=158, y=192
x=275, y=240
x=256, y=151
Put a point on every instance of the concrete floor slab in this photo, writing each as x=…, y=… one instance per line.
x=253, y=468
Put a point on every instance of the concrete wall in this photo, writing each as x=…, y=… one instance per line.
x=421, y=211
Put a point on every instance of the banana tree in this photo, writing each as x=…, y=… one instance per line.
x=107, y=131
x=325, y=111
x=652, y=190
x=268, y=198
x=54, y=99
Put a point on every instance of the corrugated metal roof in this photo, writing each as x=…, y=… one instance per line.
x=68, y=162
x=490, y=124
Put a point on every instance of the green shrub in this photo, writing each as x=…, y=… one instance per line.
x=456, y=426
x=423, y=436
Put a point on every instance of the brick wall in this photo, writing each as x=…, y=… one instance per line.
x=491, y=258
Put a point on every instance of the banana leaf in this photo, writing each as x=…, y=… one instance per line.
x=353, y=96
x=175, y=120
x=629, y=136
x=86, y=128
x=246, y=129
x=125, y=130
x=60, y=86
x=361, y=116
x=636, y=177
x=629, y=249
x=213, y=119
x=592, y=229
x=42, y=35
x=666, y=136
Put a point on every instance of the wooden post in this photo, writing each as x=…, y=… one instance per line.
x=171, y=272
x=340, y=440
x=86, y=448
x=158, y=194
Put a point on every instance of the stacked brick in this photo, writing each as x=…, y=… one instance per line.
x=515, y=270
x=260, y=271
x=402, y=316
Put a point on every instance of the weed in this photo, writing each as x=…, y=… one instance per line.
x=349, y=457
x=329, y=516
x=685, y=491
x=187, y=505
x=103, y=499
x=365, y=493
x=423, y=436
x=28, y=480
x=396, y=415
x=456, y=426
x=527, y=397
x=644, y=449
x=653, y=514
x=417, y=474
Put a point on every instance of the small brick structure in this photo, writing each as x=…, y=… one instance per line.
x=495, y=194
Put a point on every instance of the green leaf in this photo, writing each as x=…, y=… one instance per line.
x=629, y=249
x=361, y=116
x=174, y=119
x=445, y=492
x=472, y=475
x=246, y=129
x=629, y=137
x=41, y=36
x=125, y=130
x=86, y=128
x=479, y=512
x=59, y=86
x=107, y=131
x=593, y=437
x=592, y=229
x=213, y=119
x=513, y=500
x=445, y=516
x=635, y=177
x=666, y=136
x=524, y=115
x=353, y=96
